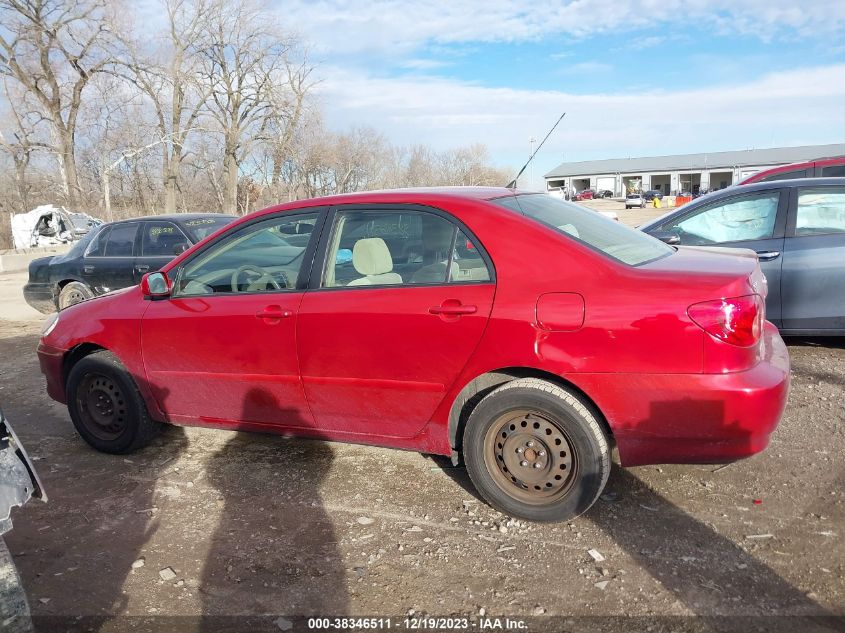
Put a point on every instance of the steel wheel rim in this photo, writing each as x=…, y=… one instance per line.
x=530, y=457
x=102, y=406
x=72, y=298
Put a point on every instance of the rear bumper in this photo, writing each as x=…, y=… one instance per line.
x=51, y=360
x=696, y=418
x=40, y=296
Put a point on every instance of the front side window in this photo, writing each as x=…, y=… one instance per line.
x=162, y=239
x=266, y=256
x=588, y=227
x=97, y=246
x=750, y=217
x=121, y=240
x=392, y=248
x=820, y=211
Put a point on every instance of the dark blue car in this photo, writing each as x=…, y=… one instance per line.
x=114, y=256
x=797, y=228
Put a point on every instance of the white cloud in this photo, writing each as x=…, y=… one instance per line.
x=424, y=64
x=398, y=28
x=784, y=108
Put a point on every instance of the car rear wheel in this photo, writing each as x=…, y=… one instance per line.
x=106, y=407
x=73, y=293
x=534, y=450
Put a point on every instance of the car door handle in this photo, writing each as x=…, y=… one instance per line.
x=142, y=268
x=274, y=314
x=88, y=269
x=448, y=308
x=765, y=256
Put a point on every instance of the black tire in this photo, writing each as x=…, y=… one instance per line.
x=106, y=407
x=555, y=478
x=72, y=293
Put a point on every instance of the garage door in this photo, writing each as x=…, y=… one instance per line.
x=608, y=183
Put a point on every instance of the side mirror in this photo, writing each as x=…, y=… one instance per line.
x=667, y=236
x=156, y=285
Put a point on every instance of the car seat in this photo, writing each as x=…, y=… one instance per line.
x=371, y=258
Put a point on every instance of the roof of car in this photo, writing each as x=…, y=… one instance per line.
x=174, y=217
x=477, y=193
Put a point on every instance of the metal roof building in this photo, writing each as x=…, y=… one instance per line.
x=681, y=172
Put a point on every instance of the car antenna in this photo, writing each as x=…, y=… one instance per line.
x=512, y=183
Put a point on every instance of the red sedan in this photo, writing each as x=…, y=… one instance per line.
x=587, y=194
x=525, y=334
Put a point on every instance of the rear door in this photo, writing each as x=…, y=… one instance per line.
x=160, y=241
x=813, y=284
x=754, y=220
x=109, y=261
x=384, y=331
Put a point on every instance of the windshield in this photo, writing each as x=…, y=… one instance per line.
x=588, y=227
x=200, y=228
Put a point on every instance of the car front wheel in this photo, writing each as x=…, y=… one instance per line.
x=73, y=293
x=106, y=407
x=534, y=450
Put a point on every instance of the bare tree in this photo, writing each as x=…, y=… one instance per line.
x=244, y=62
x=169, y=77
x=20, y=139
x=53, y=48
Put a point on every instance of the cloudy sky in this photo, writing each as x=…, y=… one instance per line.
x=635, y=77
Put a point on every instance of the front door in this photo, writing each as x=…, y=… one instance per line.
x=393, y=319
x=814, y=261
x=108, y=262
x=222, y=349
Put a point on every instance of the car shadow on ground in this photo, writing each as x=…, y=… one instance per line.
x=815, y=341
x=273, y=542
x=708, y=573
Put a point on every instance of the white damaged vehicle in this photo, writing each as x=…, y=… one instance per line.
x=49, y=225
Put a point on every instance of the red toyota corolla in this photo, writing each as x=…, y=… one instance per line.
x=521, y=332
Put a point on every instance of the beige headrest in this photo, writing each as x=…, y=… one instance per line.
x=371, y=256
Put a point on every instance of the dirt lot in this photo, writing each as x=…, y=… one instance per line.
x=254, y=524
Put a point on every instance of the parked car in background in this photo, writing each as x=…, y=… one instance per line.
x=586, y=194
x=414, y=319
x=820, y=168
x=634, y=200
x=650, y=195
x=113, y=256
x=797, y=229
x=604, y=193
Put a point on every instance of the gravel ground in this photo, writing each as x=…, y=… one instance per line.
x=222, y=523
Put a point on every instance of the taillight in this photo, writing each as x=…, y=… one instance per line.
x=737, y=320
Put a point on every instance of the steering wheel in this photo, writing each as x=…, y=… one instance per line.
x=263, y=275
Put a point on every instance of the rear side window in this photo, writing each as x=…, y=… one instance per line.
x=121, y=240
x=162, y=239
x=820, y=211
x=400, y=248
x=786, y=175
x=588, y=227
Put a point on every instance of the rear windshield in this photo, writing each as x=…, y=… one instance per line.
x=590, y=228
x=200, y=228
